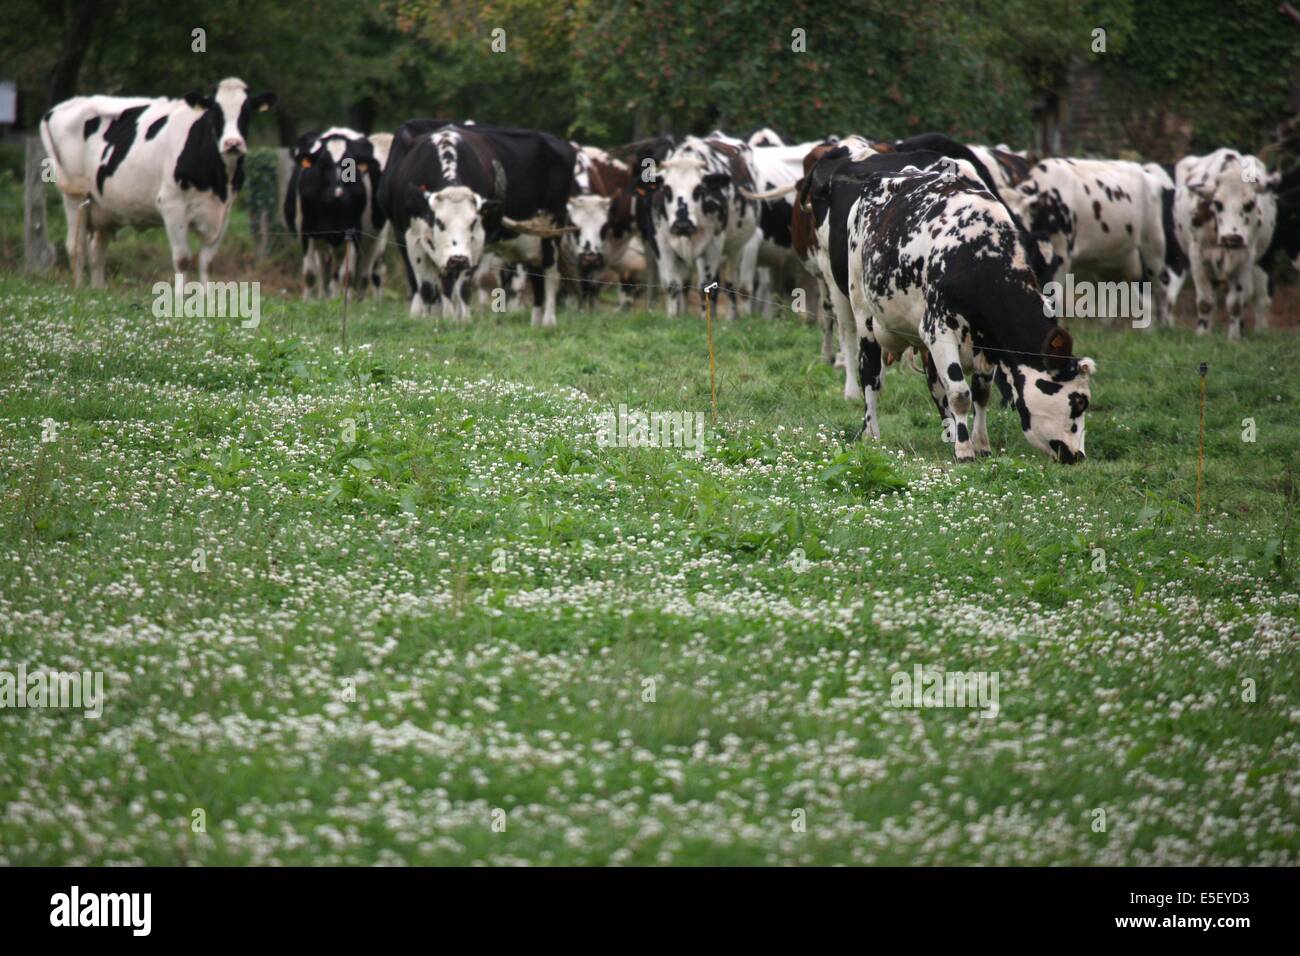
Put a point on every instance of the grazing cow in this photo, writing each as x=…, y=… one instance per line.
x=826, y=192
x=1102, y=214
x=332, y=206
x=453, y=191
x=601, y=212
x=129, y=161
x=935, y=259
x=1225, y=213
x=701, y=219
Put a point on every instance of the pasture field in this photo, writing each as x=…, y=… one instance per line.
x=396, y=604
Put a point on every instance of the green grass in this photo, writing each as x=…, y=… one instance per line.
x=504, y=594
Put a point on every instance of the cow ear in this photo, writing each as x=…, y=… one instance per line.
x=417, y=199
x=717, y=180
x=1058, y=345
x=198, y=100
x=263, y=102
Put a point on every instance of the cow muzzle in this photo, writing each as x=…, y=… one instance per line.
x=235, y=147
x=457, y=263
x=591, y=260
x=1233, y=241
x=682, y=227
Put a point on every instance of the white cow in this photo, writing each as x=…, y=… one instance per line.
x=1225, y=212
x=123, y=161
x=1101, y=214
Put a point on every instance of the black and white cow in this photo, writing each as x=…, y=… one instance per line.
x=1105, y=215
x=128, y=161
x=1225, y=212
x=998, y=171
x=645, y=156
x=453, y=191
x=827, y=191
x=332, y=206
x=701, y=220
x=935, y=259
x=769, y=261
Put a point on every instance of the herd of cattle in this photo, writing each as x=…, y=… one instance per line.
x=924, y=243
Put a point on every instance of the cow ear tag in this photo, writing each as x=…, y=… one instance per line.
x=306, y=162
x=363, y=166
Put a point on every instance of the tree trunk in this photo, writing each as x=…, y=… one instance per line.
x=81, y=17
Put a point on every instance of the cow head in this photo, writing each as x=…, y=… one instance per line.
x=228, y=111
x=686, y=192
x=448, y=225
x=1227, y=196
x=1052, y=399
x=589, y=215
x=334, y=169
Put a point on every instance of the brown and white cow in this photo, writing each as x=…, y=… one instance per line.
x=600, y=210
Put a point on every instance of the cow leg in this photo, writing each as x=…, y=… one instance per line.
x=310, y=269
x=674, y=289
x=98, y=258
x=176, y=223
x=208, y=252
x=461, y=291
x=77, y=239
x=1173, y=286
x=763, y=286
x=1205, y=297
x=871, y=376
x=1241, y=291
x=1155, y=276
x=626, y=291
x=842, y=315
x=825, y=320
x=1263, y=299
x=945, y=357
x=980, y=382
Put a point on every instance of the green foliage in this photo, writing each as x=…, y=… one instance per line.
x=1230, y=67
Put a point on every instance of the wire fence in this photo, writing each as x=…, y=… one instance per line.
x=757, y=300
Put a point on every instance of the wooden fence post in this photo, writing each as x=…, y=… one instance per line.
x=39, y=254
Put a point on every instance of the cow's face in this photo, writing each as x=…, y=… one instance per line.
x=590, y=214
x=689, y=194
x=451, y=232
x=1227, y=205
x=334, y=171
x=1052, y=404
x=228, y=113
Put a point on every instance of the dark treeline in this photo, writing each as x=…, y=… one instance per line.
x=1168, y=75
